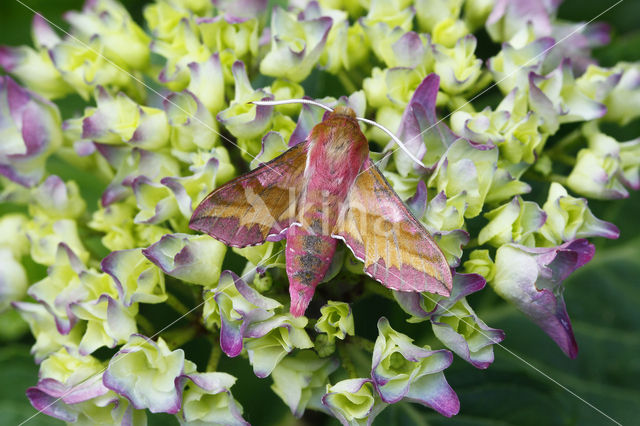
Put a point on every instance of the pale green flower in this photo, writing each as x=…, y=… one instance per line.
x=83, y=67
x=45, y=235
x=606, y=166
x=353, y=401
x=192, y=258
x=393, y=13
x=264, y=256
x=13, y=279
x=513, y=222
x=336, y=320
x=207, y=81
x=44, y=329
x=154, y=200
x=31, y=132
x=465, y=168
x=108, y=321
x=181, y=46
x=569, y=218
x=558, y=99
x=57, y=199
x=62, y=288
x=116, y=222
x=432, y=12
x=12, y=234
x=480, y=263
x=398, y=48
x=623, y=102
x=193, y=128
x=239, y=36
x=300, y=380
x=335, y=56
x=512, y=65
x=70, y=389
x=118, y=120
x=208, y=401
x=271, y=340
x=34, y=69
x=155, y=385
x=296, y=45
x=446, y=214
x=476, y=12
x=137, y=279
x=242, y=119
x=400, y=369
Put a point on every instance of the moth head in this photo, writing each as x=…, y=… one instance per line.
x=344, y=110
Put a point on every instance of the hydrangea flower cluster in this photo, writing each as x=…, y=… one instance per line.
x=168, y=119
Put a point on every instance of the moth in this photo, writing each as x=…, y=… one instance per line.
x=318, y=192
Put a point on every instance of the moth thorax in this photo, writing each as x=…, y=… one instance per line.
x=344, y=110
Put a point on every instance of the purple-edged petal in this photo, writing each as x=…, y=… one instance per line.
x=418, y=202
x=154, y=200
x=156, y=384
x=300, y=380
x=136, y=278
x=44, y=329
x=423, y=306
x=31, y=129
x=207, y=399
x=43, y=34
x=466, y=168
x=294, y=56
x=512, y=16
x=462, y=331
x=241, y=8
x=130, y=165
x=531, y=278
x=239, y=306
x=207, y=80
x=569, y=218
x=398, y=367
x=241, y=121
x=61, y=288
x=353, y=402
x=118, y=120
x=192, y=258
x=272, y=339
x=420, y=128
x=192, y=125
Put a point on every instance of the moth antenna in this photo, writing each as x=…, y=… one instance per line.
x=293, y=101
x=395, y=139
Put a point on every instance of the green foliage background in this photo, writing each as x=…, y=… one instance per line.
x=603, y=300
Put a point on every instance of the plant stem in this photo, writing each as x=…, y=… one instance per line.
x=562, y=180
x=346, y=82
x=178, y=337
x=216, y=352
x=177, y=305
x=365, y=344
x=565, y=142
x=562, y=158
x=145, y=325
x=347, y=363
